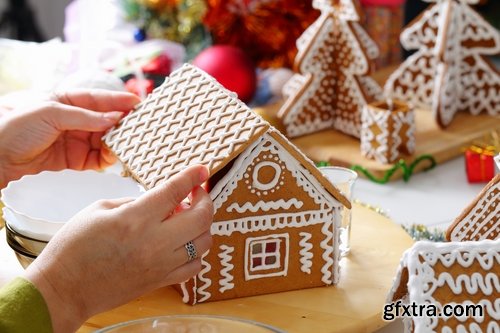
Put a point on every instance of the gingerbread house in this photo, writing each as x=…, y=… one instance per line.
x=276, y=217
x=436, y=277
x=481, y=219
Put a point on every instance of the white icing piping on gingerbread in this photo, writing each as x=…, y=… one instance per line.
x=472, y=328
x=327, y=244
x=270, y=222
x=225, y=256
x=472, y=284
x=185, y=293
x=265, y=206
x=205, y=281
x=305, y=252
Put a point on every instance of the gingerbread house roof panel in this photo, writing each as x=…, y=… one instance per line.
x=189, y=119
x=481, y=219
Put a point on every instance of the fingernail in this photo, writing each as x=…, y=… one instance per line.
x=113, y=115
x=204, y=174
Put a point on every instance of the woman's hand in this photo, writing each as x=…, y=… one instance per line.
x=64, y=132
x=117, y=250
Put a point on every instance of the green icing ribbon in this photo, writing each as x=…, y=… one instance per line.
x=401, y=164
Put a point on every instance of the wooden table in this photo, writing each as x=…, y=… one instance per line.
x=355, y=305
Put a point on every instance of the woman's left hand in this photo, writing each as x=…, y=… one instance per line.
x=64, y=132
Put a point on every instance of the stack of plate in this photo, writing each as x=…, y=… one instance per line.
x=37, y=206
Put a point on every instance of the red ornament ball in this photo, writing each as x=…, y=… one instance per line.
x=231, y=67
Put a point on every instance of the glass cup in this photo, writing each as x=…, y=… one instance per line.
x=343, y=179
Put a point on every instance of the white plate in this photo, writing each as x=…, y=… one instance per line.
x=42, y=203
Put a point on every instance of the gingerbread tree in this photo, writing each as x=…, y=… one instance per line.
x=448, y=72
x=331, y=85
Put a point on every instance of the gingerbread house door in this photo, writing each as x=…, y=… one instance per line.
x=274, y=227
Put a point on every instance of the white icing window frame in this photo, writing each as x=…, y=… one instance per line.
x=253, y=273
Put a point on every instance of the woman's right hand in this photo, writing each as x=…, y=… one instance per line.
x=116, y=250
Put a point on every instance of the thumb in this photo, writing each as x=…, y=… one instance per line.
x=67, y=117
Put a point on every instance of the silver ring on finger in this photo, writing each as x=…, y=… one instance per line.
x=191, y=251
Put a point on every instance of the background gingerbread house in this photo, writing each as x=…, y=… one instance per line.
x=437, y=274
x=276, y=217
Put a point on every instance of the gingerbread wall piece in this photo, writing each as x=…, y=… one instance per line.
x=448, y=72
x=481, y=219
x=276, y=216
x=331, y=84
x=437, y=274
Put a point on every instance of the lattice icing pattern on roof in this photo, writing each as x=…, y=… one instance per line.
x=190, y=119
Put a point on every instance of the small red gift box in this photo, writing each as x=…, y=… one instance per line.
x=479, y=164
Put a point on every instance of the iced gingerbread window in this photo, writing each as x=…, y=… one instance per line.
x=265, y=175
x=266, y=256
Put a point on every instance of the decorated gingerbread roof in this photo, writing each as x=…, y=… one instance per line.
x=191, y=119
x=481, y=219
x=436, y=274
x=188, y=120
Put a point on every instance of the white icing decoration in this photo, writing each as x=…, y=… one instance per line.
x=185, y=293
x=424, y=281
x=305, y=252
x=205, y=282
x=271, y=222
x=251, y=274
x=474, y=283
x=255, y=176
x=226, y=283
x=265, y=206
x=328, y=253
x=195, y=285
